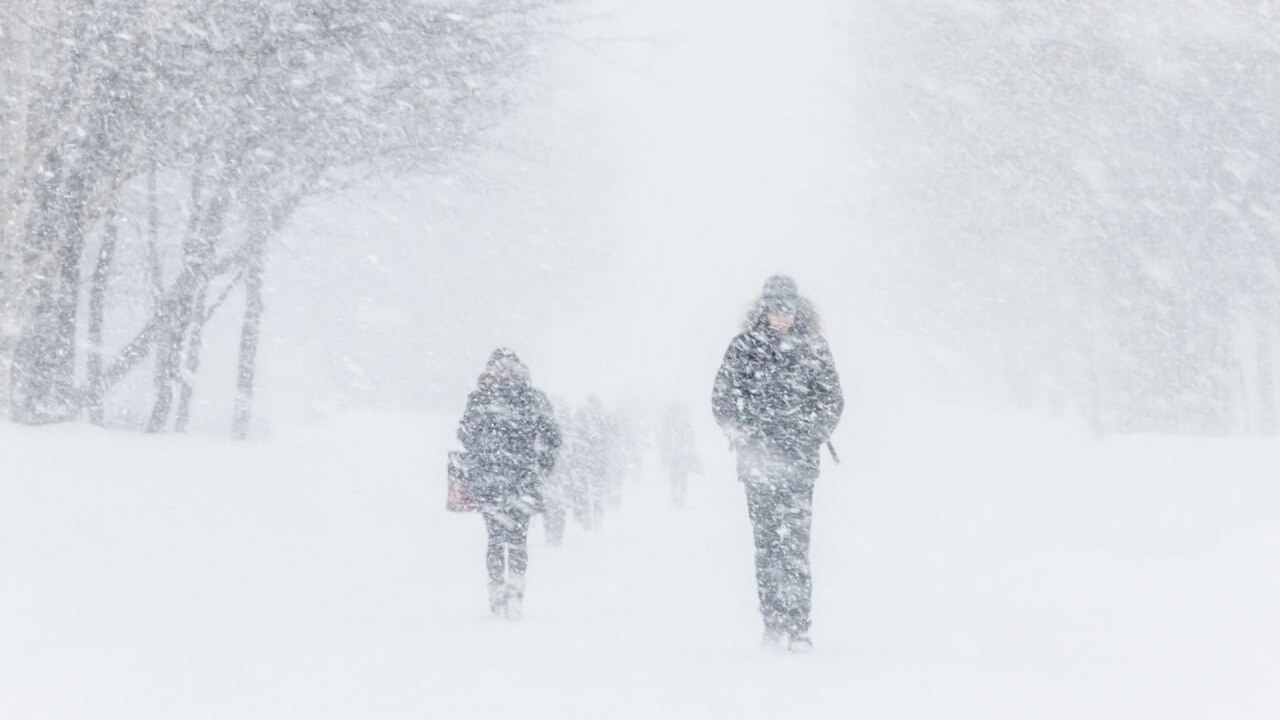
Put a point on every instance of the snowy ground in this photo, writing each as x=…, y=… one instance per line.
x=965, y=567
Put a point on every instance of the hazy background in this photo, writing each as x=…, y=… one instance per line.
x=674, y=156
x=1065, y=207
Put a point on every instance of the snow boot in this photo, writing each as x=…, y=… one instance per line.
x=497, y=598
x=773, y=640
x=800, y=645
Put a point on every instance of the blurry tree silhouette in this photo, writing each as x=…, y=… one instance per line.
x=1095, y=192
x=208, y=123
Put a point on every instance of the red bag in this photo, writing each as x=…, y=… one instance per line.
x=459, y=494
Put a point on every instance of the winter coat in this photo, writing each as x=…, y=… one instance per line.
x=779, y=393
x=511, y=437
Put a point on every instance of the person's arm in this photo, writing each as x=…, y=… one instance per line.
x=830, y=396
x=466, y=426
x=727, y=393
x=548, y=433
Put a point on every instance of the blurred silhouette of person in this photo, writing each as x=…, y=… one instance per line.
x=593, y=465
x=777, y=397
x=511, y=438
x=557, y=490
x=678, y=450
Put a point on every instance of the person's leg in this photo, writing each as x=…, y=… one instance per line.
x=518, y=560
x=766, y=523
x=517, y=540
x=796, y=586
x=495, y=559
x=496, y=551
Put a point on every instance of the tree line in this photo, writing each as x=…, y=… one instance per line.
x=150, y=150
x=1088, y=194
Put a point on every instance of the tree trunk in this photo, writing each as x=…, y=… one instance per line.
x=249, y=333
x=1267, y=420
x=97, y=311
x=1094, y=392
x=79, y=176
x=264, y=225
x=165, y=369
x=153, y=234
x=182, y=312
x=205, y=227
x=194, y=344
x=15, y=78
x=44, y=369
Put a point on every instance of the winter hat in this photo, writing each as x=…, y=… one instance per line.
x=780, y=293
x=504, y=367
x=502, y=356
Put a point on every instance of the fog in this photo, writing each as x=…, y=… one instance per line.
x=672, y=158
x=1066, y=208
x=1035, y=207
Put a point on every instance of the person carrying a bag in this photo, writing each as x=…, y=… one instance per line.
x=511, y=438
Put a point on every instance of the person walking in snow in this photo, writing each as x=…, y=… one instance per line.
x=511, y=438
x=557, y=491
x=677, y=450
x=593, y=467
x=777, y=397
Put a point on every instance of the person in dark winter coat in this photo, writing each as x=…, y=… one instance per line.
x=777, y=397
x=511, y=438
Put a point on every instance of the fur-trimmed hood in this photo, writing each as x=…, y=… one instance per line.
x=807, y=321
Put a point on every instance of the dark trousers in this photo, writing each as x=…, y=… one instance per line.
x=508, y=541
x=780, y=504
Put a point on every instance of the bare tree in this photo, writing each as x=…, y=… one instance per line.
x=254, y=109
x=1097, y=218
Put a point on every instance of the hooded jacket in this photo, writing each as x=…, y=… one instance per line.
x=509, y=432
x=779, y=393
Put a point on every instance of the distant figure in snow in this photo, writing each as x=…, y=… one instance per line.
x=557, y=489
x=593, y=467
x=511, y=438
x=777, y=397
x=677, y=450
